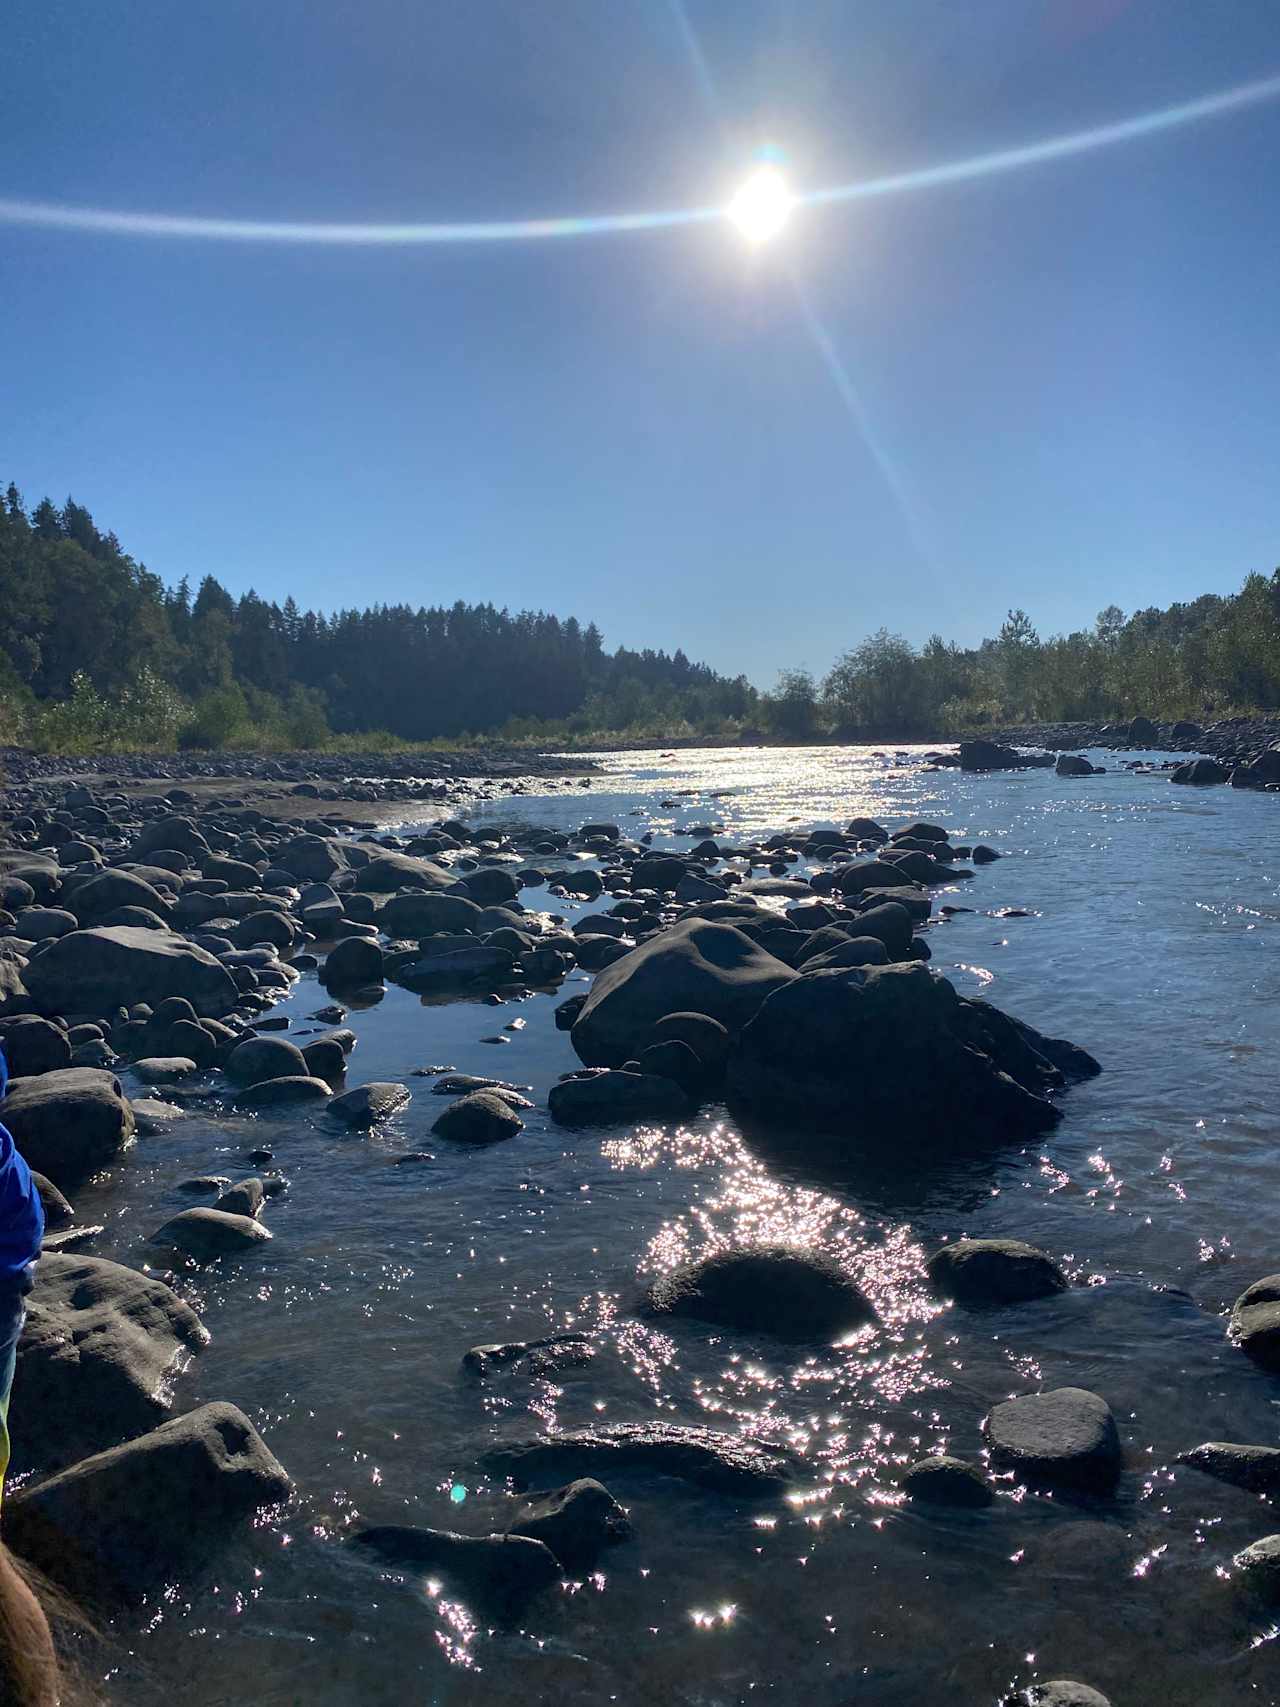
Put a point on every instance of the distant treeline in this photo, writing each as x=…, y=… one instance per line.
x=96, y=652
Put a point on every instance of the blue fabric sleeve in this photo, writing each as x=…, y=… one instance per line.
x=21, y=1212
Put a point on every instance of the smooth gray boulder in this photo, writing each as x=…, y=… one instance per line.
x=880, y=1052
x=946, y=1481
x=93, y=899
x=495, y=1569
x=994, y=1271
x=1259, y=1565
x=1066, y=1437
x=613, y=1098
x=243, y=1198
x=280, y=1093
x=260, y=1058
x=713, y=1458
x=792, y=1294
x=114, y=966
x=33, y=1045
x=421, y=914
x=97, y=1358
x=697, y=966
x=577, y=1521
x=70, y=1123
x=480, y=1117
x=57, y=1209
x=387, y=872
x=1063, y=1692
x=129, y=1518
x=367, y=1104
x=206, y=1234
x=163, y=1069
x=352, y=963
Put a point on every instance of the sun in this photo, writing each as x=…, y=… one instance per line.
x=762, y=205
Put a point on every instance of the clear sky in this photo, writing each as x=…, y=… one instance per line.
x=1060, y=387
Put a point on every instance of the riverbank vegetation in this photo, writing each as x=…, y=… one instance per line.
x=97, y=653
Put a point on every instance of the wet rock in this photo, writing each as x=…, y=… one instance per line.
x=130, y=1517
x=612, y=1098
x=368, y=1104
x=696, y=966
x=420, y=914
x=68, y=1124
x=97, y=971
x=326, y=1059
x=1259, y=1565
x=495, y=1569
x=353, y=963
x=57, y=1210
x=163, y=1069
x=481, y=1117
x=93, y=899
x=875, y=1051
x=311, y=857
x=674, y=1060
x=992, y=756
x=1066, y=1436
x=479, y=966
x=727, y=1463
x=33, y=1045
x=491, y=886
x=1254, y=1467
x=152, y=1115
x=540, y=1356
x=708, y=1039
x=1070, y=764
x=983, y=855
x=389, y=871
x=794, y=1295
x=577, y=1522
x=207, y=1234
x=97, y=1357
x=947, y=1481
x=244, y=1198
x=1201, y=773
x=276, y=1093
x=1061, y=1692
x=994, y=1271
x=1255, y=1318
x=205, y=1184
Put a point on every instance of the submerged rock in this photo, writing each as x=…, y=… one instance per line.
x=1061, y=1692
x=727, y=1463
x=610, y=1098
x=132, y=1516
x=1066, y=1436
x=1259, y=1565
x=206, y=1234
x=995, y=1271
x=493, y=1568
x=481, y=1117
x=577, y=1522
x=368, y=1104
x=948, y=1481
x=791, y=1294
x=542, y=1356
x=1255, y=1318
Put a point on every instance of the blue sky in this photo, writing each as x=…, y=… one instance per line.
x=1067, y=377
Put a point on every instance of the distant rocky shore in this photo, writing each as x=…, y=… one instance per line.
x=1231, y=740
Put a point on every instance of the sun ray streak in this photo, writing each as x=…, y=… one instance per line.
x=61, y=216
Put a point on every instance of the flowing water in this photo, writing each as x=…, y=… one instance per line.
x=1148, y=933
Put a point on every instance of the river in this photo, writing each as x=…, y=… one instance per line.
x=1148, y=933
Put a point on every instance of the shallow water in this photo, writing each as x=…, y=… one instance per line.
x=1150, y=939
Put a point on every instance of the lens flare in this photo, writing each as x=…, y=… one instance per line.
x=762, y=206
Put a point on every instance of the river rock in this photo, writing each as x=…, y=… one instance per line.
x=1066, y=1436
x=1070, y=764
x=276, y=1093
x=947, y=1482
x=70, y=1123
x=536, y=1357
x=878, y=1050
x=1254, y=1467
x=480, y=1117
x=131, y=1517
x=57, y=1210
x=352, y=963
x=163, y=1069
x=207, y=1234
x=1255, y=1318
x=613, y=1098
x=422, y=914
x=260, y=1058
x=311, y=857
x=37, y=923
x=992, y=756
x=1259, y=1565
x=93, y=899
x=97, y=1357
x=100, y=970
x=577, y=1521
x=244, y=1198
x=495, y=1569
x=696, y=966
x=794, y=1295
x=994, y=1271
x=1063, y=1692
x=1201, y=773
x=388, y=871
x=491, y=886
x=727, y=1463
x=368, y=1104
x=33, y=1045
x=481, y=966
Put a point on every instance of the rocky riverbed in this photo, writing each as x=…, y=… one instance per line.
x=209, y=1010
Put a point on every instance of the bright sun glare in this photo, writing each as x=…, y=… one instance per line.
x=762, y=206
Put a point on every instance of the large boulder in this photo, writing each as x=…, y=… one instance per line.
x=614, y=1098
x=995, y=1271
x=387, y=872
x=33, y=1045
x=1142, y=732
x=93, y=899
x=993, y=756
x=1201, y=773
x=1255, y=1318
x=97, y=971
x=352, y=963
x=312, y=858
x=68, y=1123
x=879, y=1051
x=481, y=1117
x=131, y=1517
x=697, y=966
x=496, y=1570
x=96, y=1359
x=1072, y=764
x=792, y=1294
x=422, y=913
x=576, y=1521
x=259, y=1058
x=207, y=1234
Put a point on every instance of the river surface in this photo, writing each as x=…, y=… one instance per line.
x=1152, y=919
